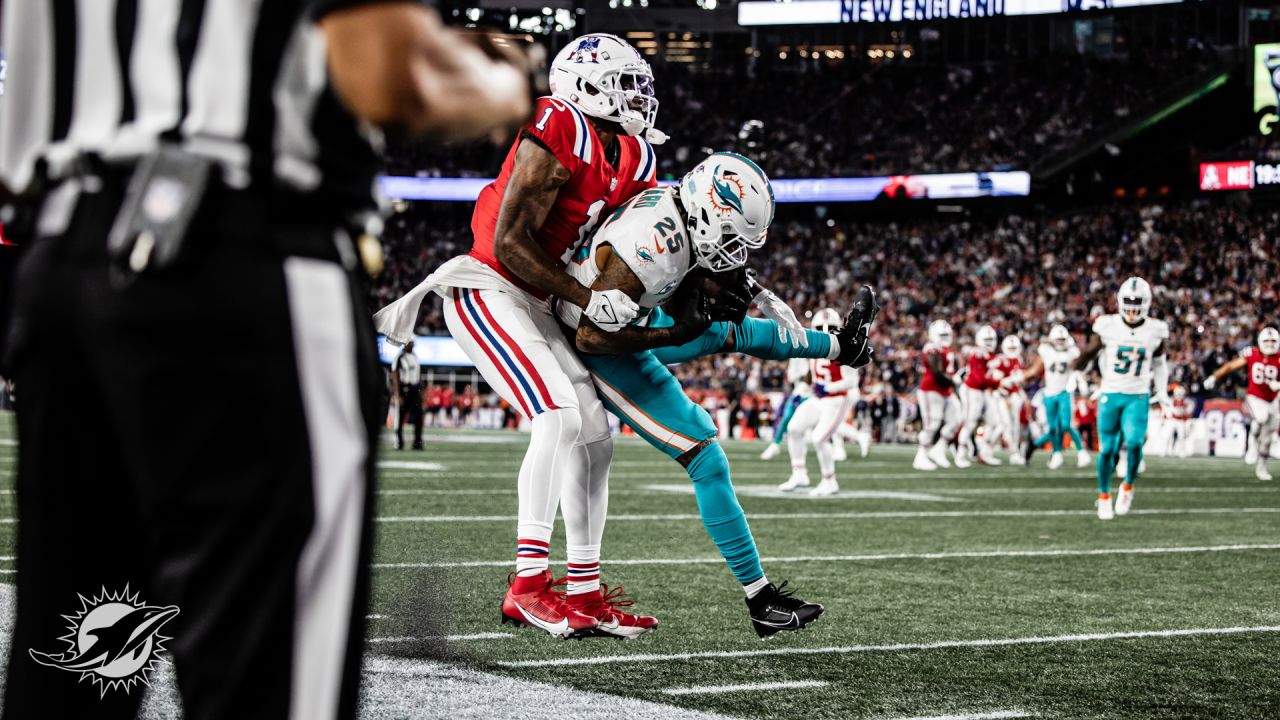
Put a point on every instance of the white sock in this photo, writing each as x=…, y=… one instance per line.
x=835, y=347
x=585, y=505
x=754, y=588
x=547, y=462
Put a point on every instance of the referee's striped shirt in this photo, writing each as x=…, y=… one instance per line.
x=241, y=81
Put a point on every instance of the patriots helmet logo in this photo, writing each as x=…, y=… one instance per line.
x=588, y=50
x=726, y=193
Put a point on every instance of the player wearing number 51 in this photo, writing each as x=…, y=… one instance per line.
x=1133, y=348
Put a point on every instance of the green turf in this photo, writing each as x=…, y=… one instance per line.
x=869, y=601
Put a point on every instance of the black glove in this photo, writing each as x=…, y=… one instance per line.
x=729, y=293
x=691, y=311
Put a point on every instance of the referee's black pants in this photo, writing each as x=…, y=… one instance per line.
x=411, y=412
x=249, y=509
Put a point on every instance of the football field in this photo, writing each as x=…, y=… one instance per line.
x=991, y=592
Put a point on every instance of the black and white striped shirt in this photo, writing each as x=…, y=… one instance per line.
x=241, y=81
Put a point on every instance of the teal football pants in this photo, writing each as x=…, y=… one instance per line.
x=1122, y=417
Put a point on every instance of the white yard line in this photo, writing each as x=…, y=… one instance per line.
x=749, y=687
x=897, y=647
x=874, y=558
x=995, y=715
x=449, y=638
x=837, y=515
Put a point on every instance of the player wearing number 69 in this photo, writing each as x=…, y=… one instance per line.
x=1262, y=366
x=1132, y=346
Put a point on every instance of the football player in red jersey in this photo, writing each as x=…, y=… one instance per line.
x=939, y=409
x=978, y=383
x=1008, y=397
x=1262, y=366
x=835, y=389
x=583, y=151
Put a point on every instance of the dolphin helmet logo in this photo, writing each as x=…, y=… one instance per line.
x=114, y=640
x=722, y=191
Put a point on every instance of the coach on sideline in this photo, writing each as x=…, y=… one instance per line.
x=195, y=167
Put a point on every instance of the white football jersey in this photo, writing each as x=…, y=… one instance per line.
x=1128, y=352
x=1057, y=367
x=648, y=234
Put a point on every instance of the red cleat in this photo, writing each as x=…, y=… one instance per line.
x=613, y=622
x=541, y=607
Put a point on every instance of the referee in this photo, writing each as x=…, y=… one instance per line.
x=406, y=379
x=192, y=168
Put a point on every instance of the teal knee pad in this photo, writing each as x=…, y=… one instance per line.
x=722, y=516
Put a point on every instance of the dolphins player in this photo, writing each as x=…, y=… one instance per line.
x=1054, y=359
x=721, y=209
x=1133, y=349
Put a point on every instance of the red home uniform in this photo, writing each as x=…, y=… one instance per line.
x=1262, y=370
x=928, y=383
x=594, y=185
x=826, y=372
x=1003, y=368
x=979, y=377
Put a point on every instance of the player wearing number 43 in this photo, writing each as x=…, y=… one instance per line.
x=1055, y=355
x=1262, y=367
x=1133, y=357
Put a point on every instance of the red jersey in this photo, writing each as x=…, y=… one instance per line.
x=1004, y=369
x=1180, y=409
x=981, y=362
x=1262, y=370
x=950, y=365
x=593, y=185
x=826, y=372
x=1086, y=412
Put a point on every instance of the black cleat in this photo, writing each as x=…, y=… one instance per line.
x=774, y=609
x=855, y=351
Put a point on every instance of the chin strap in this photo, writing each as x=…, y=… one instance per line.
x=656, y=136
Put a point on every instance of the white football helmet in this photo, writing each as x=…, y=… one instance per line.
x=729, y=204
x=1060, y=337
x=1012, y=346
x=608, y=79
x=1179, y=392
x=1269, y=341
x=986, y=338
x=940, y=333
x=1134, y=300
x=826, y=320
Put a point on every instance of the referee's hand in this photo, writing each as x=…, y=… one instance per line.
x=396, y=66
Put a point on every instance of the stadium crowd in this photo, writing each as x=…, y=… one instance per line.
x=892, y=118
x=1214, y=268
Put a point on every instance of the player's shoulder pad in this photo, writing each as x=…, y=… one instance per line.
x=563, y=129
x=1160, y=328
x=1103, y=323
x=1248, y=353
x=645, y=159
